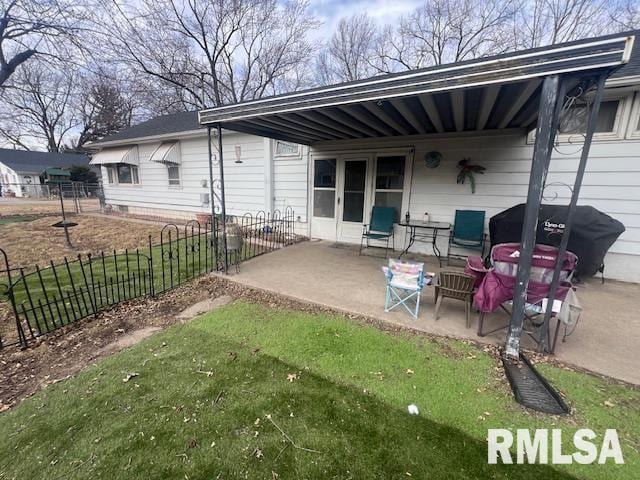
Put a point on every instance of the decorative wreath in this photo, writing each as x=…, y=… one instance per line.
x=468, y=171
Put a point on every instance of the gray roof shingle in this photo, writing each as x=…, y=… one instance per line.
x=165, y=124
x=36, y=162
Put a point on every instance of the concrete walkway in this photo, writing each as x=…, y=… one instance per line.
x=606, y=340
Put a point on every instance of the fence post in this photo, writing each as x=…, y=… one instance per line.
x=22, y=338
x=86, y=283
x=152, y=287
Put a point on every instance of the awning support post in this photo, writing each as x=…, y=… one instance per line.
x=223, y=200
x=212, y=196
x=591, y=126
x=545, y=134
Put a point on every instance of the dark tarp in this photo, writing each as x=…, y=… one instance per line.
x=592, y=234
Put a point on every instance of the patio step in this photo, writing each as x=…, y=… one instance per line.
x=531, y=389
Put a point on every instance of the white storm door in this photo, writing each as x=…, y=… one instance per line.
x=324, y=198
x=354, y=197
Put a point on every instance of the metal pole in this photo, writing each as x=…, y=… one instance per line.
x=64, y=217
x=547, y=126
x=591, y=126
x=214, y=233
x=223, y=200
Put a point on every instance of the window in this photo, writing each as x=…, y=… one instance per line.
x=634, y=124
x=287, y=149
x=389, y=183
x=611, y=123
x=111, y=174
x=123, y=173
x=324, y=188
x=173, y=172
x=576, y=118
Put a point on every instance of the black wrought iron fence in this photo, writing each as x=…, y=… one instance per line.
x=46, y=298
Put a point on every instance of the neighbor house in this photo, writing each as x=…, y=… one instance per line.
x=23, y=172
x=332, y=153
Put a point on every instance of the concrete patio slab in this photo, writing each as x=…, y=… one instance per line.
x=605, y=341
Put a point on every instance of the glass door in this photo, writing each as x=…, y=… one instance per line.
x=323, y=223
x=353, y=198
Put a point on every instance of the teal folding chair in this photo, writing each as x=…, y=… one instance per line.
x=380, y=228
x=405, y=281
x=467, y=233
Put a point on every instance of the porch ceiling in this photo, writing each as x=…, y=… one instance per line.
x=487, y=94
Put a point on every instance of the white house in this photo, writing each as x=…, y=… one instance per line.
x=160, y=168
x=20, y=170
x=332, y=153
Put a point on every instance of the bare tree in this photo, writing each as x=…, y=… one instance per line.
x=211, y=52
x=31, y=28
x=442, y=31
x=38, y=109
x=626, y=16
x=103, y=109
x=350, y=53
x=546, y=22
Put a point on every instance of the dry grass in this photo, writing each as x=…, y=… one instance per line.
x=27, y=243
x=11, y=207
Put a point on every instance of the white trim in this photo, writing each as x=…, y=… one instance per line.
x=633, y=131
x=631, y=80
x=628, y=48
x=454, y=67
x=418, y=92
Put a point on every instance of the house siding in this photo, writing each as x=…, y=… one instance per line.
x=246, y=184
x=611, y=183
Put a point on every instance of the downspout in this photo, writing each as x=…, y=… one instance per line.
x=591, y=126
x=545, y=134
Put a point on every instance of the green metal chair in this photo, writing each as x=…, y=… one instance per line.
x=380, y=228
x=467, y=233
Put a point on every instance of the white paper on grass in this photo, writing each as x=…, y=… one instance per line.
x=413, y=409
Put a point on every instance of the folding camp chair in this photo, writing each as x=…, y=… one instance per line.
x=405, y=281
x=467, y=233
x=380, y=227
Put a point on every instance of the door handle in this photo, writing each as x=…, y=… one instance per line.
x=338, y=200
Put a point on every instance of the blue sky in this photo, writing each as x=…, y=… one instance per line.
x=381, y=11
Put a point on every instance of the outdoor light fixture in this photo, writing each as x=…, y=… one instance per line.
x=238, y=154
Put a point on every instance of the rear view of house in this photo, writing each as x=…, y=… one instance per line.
x=160, y=169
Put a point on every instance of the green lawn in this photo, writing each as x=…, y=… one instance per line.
x=198, y=407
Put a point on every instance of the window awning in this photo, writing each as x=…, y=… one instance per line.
x=108, y=156
x=167, y=152
x=490, y=93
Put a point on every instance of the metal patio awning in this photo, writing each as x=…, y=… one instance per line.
x=486, y=94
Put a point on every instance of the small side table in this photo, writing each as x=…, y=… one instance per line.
x=426, y=232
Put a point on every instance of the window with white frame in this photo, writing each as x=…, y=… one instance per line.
x=634, y=124
x=324, y=187
x=610, y=125
x=286, y=149
x=390, y=182
x=173, y=172
x=123, y=174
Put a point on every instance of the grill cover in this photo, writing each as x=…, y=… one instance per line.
x=592, y=234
